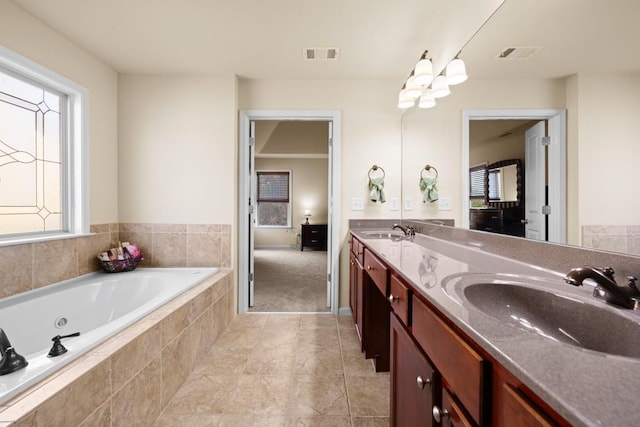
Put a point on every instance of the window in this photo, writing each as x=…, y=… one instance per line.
x=478, y=181
x=273, y=198
x=42, y=173
x=494, y=184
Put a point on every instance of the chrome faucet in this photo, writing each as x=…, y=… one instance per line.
x=623, y=296
x=407, y=230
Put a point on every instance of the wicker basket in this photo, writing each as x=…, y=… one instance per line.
x=121, y=265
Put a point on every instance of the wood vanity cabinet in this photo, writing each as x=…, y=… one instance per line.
x=356, y=275
x=376, y=309
x=415, y=384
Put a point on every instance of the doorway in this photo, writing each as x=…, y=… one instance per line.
x=249, y=210
x=555, y=160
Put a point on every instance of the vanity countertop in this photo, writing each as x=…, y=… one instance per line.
x=586, y=387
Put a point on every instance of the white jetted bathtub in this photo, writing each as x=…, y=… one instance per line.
x=98, y=305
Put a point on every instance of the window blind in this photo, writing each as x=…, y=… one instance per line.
x=273, y=187
x=477, y=181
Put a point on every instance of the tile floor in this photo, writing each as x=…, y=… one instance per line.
x=283, y=370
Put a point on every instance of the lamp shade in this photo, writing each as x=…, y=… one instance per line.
x=439, y=87
x=404, y=101
x=456, y=72
x=427, y=100
x=412, y=89
x=423, y=73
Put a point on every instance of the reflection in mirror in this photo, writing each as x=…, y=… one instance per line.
x=504, y=183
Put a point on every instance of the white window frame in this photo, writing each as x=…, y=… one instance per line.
x=289, y=210
x=75, y=149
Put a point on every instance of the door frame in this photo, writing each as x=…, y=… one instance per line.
x=557, y=161
x=244, y=179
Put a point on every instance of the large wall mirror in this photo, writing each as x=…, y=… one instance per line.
x=545, y=56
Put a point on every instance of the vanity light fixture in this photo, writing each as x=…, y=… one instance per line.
x=456, y=71
x=422, y=86
x=439, y=87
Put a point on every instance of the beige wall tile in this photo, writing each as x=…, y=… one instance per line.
x=135, y=228
x=54, y=261
x=88, y=249
x=204, y=250
x=16, y=269
x=101, y=417
x=139, y=400
x=169, y=228
x=100, y=228
x=172, y=325
x=144, y=242
x=169, y=249
x=204, y=228
x=177, y=363
x=134, y=356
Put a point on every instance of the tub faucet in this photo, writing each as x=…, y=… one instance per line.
x=11, y=361
x=623, y=296
x=408, y=230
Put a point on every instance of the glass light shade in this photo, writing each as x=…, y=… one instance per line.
x=404, y=101
x=423, y=73
x=439, y=87
x=456, y=72
x=412, y=89
x=427, y=101
x=307, y=212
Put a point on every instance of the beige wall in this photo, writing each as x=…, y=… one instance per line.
x=608, y=115
x=495, y=149
x=29, y=37
x=309, y=188
x=177, y=157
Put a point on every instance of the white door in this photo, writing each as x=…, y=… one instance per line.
x=252, y=208
x=329, y=216
x=535, y=182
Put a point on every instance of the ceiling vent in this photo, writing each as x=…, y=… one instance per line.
x=320, y=53
x=522, y=52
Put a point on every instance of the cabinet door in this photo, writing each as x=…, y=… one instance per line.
x=413, y=381
x=451, y=413
x=516, y=410
x=353, y=301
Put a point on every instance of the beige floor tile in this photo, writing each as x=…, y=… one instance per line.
x=324, y=338
x=318, y=361
x=219, y=362
x=313, y=395
x=260, y=394
x=369, y=396
x=249, y=321
x=318, y=422
x=356, y=365
x=238, y=341
x=271, y=361
x=202, y=395
x=345, y=322
x=318, y=321
x=370, y=422
x=284, y=321
x=278, y=338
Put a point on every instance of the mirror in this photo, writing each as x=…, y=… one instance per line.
x=504, y=183
x=551, y=69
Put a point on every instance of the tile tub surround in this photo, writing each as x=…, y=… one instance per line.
x=134, y=374
x=34, y=265
x=618, y=238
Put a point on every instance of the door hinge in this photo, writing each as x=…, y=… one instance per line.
x=250, y=277
x=546, y=210
x=546, y=140
x=250, y=209
x=329, y=277
x=330, y=142
x=252, y=141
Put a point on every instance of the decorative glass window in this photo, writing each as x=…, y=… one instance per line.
x=273, y=198
x=42, y=170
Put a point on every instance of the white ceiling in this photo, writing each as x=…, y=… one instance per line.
x=378, y=39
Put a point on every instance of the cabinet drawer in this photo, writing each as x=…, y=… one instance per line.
x=463, y=370
x=357, y=249
x=376, y=270
x=399, y=299
x=454, y=413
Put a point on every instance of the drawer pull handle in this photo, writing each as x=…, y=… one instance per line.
x=392, y=298
x=440, y=414
x=422, y=382
x=370, y=268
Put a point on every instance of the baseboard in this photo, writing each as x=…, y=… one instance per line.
x=344, y=311
x=276, y=247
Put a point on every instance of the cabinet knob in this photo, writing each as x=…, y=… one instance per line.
x=392, y=298
x=370, y=268
x=440, y=414
x=422, y=382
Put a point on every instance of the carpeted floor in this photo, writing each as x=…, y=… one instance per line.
x=288, y=280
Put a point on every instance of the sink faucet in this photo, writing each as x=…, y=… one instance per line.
x=624, y=296
x=408, y=230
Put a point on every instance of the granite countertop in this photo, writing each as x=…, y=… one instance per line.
x=586, y=387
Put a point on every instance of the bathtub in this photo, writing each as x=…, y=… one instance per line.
x=98, y=305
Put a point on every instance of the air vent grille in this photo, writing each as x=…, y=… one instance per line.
x=515, y=52
x=320, y=53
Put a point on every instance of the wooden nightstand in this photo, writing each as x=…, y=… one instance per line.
x=314, y=236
